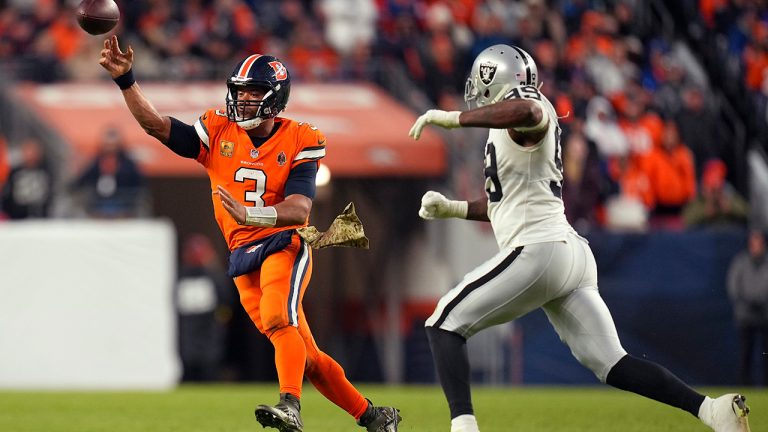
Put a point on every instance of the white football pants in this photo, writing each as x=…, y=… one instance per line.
x=560, y=277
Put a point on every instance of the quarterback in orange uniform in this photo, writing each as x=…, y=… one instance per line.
x=262, y=170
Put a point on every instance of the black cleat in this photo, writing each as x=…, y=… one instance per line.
x=285, y=416
x=380, y=419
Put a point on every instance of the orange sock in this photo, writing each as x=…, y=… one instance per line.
x=290, y=357
x=328, y=378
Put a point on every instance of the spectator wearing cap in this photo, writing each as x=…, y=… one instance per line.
x=718, y=204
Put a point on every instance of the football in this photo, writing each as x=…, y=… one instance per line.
x=97, y=16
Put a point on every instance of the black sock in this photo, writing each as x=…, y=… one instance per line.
x=655, y=382
x=369, y=415
x=291, y=399
x=449, y=351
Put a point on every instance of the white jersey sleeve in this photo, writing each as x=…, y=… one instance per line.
x=524, y=184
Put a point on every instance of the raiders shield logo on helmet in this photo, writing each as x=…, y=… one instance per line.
x=487, y=72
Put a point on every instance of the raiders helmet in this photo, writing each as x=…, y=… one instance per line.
x=496, y=71
x=265, y=72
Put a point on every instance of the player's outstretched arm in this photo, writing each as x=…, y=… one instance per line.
x=119, y=64
x=522, y=115
x=506, y=114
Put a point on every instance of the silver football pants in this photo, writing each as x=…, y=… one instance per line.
x=560, y=277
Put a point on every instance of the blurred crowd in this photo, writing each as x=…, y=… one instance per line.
x=111, y=185
x=645, y=143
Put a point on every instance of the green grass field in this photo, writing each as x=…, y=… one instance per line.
x=220, y=408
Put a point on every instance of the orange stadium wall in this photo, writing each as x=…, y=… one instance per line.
x=367, y=130
x=87, y=305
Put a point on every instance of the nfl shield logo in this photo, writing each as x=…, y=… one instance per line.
x=254, y=153
x=281, y=159
x=487, y=72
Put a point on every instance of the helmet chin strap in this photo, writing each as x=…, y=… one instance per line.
x=250, y=124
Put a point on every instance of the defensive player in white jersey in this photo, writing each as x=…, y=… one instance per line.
x=542, y=262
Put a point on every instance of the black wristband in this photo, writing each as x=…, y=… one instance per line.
x=125, y=80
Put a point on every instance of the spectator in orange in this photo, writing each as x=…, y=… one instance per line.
x=65, y=33
x=627, y=210
x=710, y=8
x=633, y=181
x=671, y=173
x=755, y=65
x=310, y=57
x=591, y=39
x=643, y=129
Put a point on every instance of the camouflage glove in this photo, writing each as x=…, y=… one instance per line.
x=345, y=231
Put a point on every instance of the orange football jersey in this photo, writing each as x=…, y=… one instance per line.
x=255, y=176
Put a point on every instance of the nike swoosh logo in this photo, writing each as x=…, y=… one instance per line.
x=252, y=249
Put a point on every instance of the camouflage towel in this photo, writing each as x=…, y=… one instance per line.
x=346, y=230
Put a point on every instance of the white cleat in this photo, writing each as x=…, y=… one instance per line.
x=464, y=423
x=728, y=413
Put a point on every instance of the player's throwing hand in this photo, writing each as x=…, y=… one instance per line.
x=446, y=119
x=116, y=62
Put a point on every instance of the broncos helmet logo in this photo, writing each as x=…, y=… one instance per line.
x=281, y=73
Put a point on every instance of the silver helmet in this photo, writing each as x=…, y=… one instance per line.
x=496, y=71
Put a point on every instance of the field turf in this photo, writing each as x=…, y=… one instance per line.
x=229, y=408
